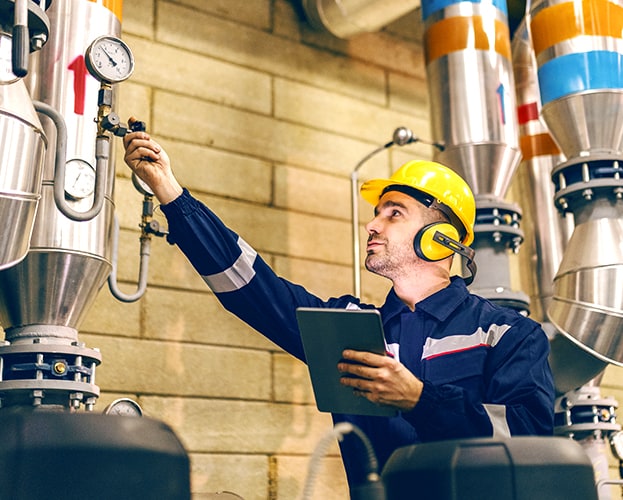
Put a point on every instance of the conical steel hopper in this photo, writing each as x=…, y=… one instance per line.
x=587, y=305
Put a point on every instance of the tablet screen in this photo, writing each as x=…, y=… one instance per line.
x=325, y=333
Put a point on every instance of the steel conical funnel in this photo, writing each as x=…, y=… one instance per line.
x=587, y=304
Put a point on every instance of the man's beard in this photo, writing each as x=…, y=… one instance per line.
x=392, y=261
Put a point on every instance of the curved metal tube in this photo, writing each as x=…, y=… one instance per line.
x=102, y=153
x=143, y=267
x=354, y=180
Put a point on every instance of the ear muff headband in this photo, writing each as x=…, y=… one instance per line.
x=438, y=241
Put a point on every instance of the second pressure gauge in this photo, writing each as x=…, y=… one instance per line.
x=109, y=59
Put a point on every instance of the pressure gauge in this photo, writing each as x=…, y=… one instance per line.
x=616, y=443
x=79, y=179
x=124, y=407
x=141, y=186
x=109, y=59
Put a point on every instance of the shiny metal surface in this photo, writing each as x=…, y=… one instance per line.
x=587, y=305
x=20, y=174
x=551, y=230
x=346, y=18
x=587, y=122
x=572, y=365
x=68, y=261
x=578, y=49
x=472, y=100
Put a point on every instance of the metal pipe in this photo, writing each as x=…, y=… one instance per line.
x=102, y=154
x=143, y=267
x=347, y=18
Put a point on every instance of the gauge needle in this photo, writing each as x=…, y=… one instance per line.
x=114, y=63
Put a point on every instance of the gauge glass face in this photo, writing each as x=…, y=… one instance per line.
x=6, y=64
x=109, y=59
x=124, y=407
x=79, y=179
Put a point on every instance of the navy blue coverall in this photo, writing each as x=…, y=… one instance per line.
x=484, y=367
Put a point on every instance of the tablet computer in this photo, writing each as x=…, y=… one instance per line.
x=325, y=333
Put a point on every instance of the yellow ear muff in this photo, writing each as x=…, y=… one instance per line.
x=425, y=245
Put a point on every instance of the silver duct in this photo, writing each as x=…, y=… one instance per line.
x=471, y=89
x=572, y=366
x=579, y=78
x=346, y=18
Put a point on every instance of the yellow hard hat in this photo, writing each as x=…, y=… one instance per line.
x=434, y=185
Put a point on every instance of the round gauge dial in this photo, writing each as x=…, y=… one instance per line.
x=79, y=179
x=109, y=59
x=124, y=407
x=141, y=186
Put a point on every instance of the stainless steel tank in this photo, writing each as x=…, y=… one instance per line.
x=68, y=261
x=20, y=174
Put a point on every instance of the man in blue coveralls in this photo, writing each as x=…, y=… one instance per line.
x=460, y=367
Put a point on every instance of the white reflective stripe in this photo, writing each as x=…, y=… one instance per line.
x=456, y=343
x=497, y=415
x=238, y=275
x=394, y=348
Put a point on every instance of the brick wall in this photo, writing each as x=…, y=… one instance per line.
x=264, y=119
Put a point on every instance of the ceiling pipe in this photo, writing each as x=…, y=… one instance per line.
x=347, y=18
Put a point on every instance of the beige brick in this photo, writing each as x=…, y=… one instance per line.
x=133, y=99
x=329, y=484
x=110, y=316
x=241, y=426
x=409, y=94
x=200, y=76
x=169, y=267
x=292, y=382
x=255, y=135
x=338, y=113
x=281, y=232
x=255, y=49
x=138, y=17
x=243, y=475
x=312, y=192
x=219, y=172
x=613, y=377
x=151, y=367
x=322, y=279
x=409, y=27
x=197, y=317
x=287, y=20
x=255, y=13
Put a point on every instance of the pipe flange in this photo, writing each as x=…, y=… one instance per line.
x=499, y=219
x=581, y=180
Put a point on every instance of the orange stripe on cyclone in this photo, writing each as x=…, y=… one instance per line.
x=537, y=145
x=564, y=21
x=115, y=6
x=462, y=33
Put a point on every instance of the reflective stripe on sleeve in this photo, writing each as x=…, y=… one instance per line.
x=497, y=415
x=457, y=343
x=236, y=276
